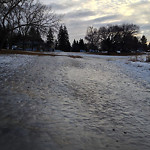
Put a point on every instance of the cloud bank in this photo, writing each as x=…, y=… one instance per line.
x=79, y=14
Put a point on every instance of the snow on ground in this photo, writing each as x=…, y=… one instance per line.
x=140, y=70
x=62, y=103
x=88, y=55
x=9, y=64
x=14, y=61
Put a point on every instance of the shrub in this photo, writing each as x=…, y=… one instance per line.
x=137, y=58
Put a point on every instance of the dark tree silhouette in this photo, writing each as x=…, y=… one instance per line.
x=81, y=45
x=56, y=44
x=22, y=14
x=63, y=39
x=92, y=37
x=50, y=39
x=149, y=46
x=75, y=46
x=113, y=38
x=144, y=43
x=34, y=38
x=5, y=42
x=143, y=39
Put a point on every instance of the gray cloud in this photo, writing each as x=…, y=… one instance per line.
x=145, y=26
x=140, y=4
x=106, y=18
x=97, y=21
x=78, y=27
x=141, y=9
x=64, y=5
x=80, y=14
x=59, y=6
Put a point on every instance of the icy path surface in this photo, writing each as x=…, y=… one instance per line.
x=61, y=103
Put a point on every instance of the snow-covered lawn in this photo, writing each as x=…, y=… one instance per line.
x=138, y=70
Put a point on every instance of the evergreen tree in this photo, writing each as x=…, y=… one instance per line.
x=32, y=37
x=60, y=38
x=38, y=36
x=81, y=44
x=135, y=43
x=35, y=38
x=144, y=42
x=50, y=39
x=75, y=46
x=63, y=39
x=56, y=44
x=14, y=39
x=149, y=46
x=1, y=38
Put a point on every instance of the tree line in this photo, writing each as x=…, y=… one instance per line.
x=25, y=22
x=62, y=41
x=115, y=38
x=33, y=41
x=112, y=38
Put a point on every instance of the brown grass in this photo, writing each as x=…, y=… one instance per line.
x=72, y=56
x=7, y=52
x=109, y=59
x=25, y=53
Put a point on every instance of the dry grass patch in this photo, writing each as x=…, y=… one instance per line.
x=7, y=52
x=72, y=56
x=109, y=59
x=25, y=53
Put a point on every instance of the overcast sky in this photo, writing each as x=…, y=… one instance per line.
x=79, y=14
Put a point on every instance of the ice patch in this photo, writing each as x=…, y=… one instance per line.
x=11, y=63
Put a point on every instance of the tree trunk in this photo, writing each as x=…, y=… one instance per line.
x=3, y=42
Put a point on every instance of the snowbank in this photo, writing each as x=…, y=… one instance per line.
x=139, y=71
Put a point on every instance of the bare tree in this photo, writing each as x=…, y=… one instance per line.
x=20, y=15
x=92, y=36
x=113, y=37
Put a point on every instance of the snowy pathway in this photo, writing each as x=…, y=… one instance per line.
x=61, y=103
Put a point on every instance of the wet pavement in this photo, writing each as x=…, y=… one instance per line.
x=61, y=103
